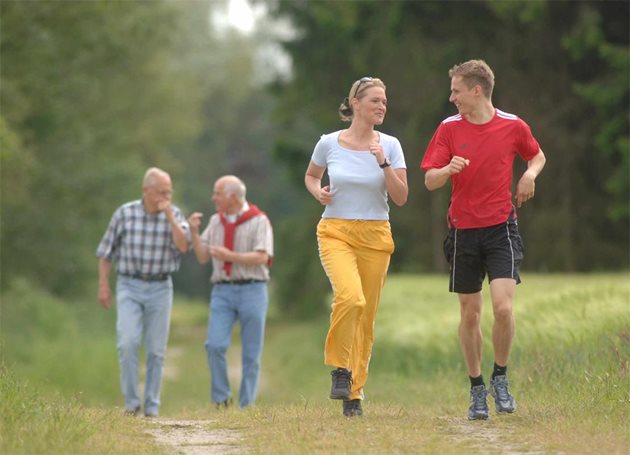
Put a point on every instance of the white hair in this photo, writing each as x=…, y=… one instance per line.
x=234, y=185
x=152, y=174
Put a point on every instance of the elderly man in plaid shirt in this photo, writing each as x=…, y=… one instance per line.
x=146, y=238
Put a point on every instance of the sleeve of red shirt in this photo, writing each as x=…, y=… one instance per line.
x=528, y=146
x=438, y=153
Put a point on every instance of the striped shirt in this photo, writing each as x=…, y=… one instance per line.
x=253, y=235
x=141, y=242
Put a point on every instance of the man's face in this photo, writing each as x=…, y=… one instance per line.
x=160, y=191
x=220, y=198
x=464, y=98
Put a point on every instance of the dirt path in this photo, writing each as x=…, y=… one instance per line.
x=485, y=437
x=195, y=437
x=202, y=437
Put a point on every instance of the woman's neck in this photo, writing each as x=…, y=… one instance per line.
x=361, y=132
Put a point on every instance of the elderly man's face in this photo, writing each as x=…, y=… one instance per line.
x=225, y=195
x=221, y=199
x=161, y=190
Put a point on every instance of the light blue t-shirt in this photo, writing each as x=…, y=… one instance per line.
x=356, y=180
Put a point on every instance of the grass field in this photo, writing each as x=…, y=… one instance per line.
x=569, y=372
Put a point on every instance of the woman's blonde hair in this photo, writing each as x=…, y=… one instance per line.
x=357, y=90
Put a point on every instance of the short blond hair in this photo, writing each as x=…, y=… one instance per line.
x=475, y=72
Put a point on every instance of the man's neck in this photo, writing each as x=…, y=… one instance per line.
x=237, y=209
x=483, y=114
x=151, y=210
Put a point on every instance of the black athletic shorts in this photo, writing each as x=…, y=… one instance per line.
x=471, y=253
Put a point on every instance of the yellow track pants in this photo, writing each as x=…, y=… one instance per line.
x=355, y=255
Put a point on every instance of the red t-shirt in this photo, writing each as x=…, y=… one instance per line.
x=482, y=193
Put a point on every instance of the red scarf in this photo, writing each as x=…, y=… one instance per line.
x=229, y=229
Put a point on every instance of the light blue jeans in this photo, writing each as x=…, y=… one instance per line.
x=246, y=303
x=143, y=310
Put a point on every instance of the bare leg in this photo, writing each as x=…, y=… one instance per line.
x=502, y=291
x=470, y=337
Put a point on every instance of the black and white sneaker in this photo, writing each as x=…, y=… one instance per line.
x=503, y=399
x=478, y=409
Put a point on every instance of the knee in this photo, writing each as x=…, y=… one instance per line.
x=155, y=356
x=352, y=307
x=251, y=364
x=358, y=303
x=503, y=312
x=127, y=346
x=471, y=318
x=350, y=298
x=216, y=346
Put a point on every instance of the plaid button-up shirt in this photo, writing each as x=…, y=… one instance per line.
x=141, y=242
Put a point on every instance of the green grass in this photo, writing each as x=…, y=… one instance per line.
x=569, y=371
x=54, y=424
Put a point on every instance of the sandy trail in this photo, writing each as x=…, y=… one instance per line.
x=195, y=437
x=485, y=437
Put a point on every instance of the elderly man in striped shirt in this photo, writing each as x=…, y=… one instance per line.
x=146, y=238
x=239, y=240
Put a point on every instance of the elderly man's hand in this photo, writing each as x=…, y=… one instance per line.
x=194, y=221
x=222, y=253
x=164, y=206
x=105, y=296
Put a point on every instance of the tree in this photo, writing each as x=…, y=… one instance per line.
x=91, y=96
x=532, y=48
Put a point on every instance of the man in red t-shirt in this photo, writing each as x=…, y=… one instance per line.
x=475, y=149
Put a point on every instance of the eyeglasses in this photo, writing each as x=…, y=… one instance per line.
x=361, y=81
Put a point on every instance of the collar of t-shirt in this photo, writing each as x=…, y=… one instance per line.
x=232, y=217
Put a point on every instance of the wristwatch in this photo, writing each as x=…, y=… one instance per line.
x=385, y=164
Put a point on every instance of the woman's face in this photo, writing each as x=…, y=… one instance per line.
x=372, y=105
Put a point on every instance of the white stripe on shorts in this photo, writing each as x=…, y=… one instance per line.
x=454, y=256
x=507, y=230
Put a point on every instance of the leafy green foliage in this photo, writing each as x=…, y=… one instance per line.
x=301, y=286
x=561, y=66
x=92, y=95
x=608, y=92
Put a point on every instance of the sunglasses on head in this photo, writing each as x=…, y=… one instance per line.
x=361, y=81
